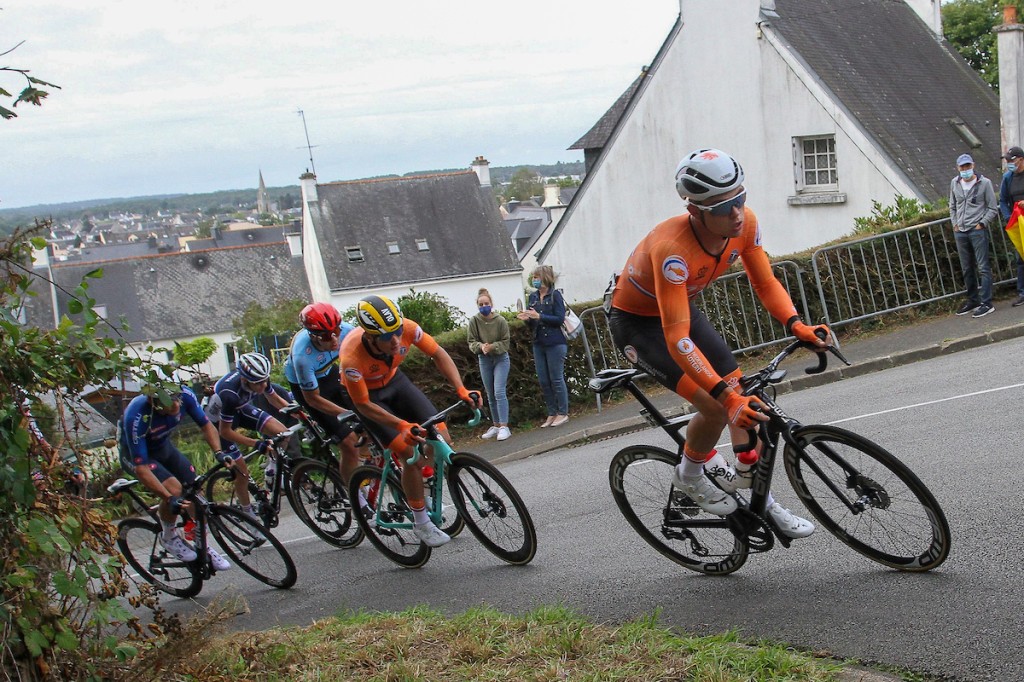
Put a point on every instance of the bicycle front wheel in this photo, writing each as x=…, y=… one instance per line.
x=492, y=509
x=251, y=545
x=667, y=519
x=385, y=500
x=318, y=497
x=138, y=541
x=867, y=498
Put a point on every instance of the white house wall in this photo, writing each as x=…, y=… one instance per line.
x=504, y=289
x=743, y=98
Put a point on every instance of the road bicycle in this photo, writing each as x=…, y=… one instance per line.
x=246, y=541
x=451, y=522
x=482, y=497
x=313, y=487
x=857, y=490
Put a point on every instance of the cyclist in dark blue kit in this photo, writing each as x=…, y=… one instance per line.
x=147, y=452
x=313, y=374
x=230, y=407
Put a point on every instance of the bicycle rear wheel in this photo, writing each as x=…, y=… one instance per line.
x=319, y=499
x=867, y=498
x=387, y=497
x=251, y=545
x=220, y=488
x=668, y=520
x=138, y=541
x=492, y=508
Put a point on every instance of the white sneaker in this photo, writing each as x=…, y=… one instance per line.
x=178, y=547
x=704, y=493
x=490, y=433
x=791, y=525
x=219, y=562
x=504, y=433
x=723, y=473
x=430, y=535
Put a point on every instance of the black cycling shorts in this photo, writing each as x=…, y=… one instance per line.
x=642, y=340
x=330, y=389
x=404, y=400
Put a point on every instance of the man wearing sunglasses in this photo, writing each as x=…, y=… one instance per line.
x=312, y=371
x=392, y=406
x=656, y=325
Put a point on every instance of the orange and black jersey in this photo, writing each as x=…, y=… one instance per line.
x=670, y=266
x=363, y=371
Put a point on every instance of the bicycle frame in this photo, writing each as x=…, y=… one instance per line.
x=442, y=453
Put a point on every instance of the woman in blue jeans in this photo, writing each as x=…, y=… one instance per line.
x=544, y=314
x=489, y=338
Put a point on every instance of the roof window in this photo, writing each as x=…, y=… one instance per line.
x=355, y=254
x=422, y=245
x=393, y=248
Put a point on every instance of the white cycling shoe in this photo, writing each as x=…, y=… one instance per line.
x=430, y=535
x=727, y=478
x=178, y=547
x=704, y=493
x=791, y=525
x=219, y=563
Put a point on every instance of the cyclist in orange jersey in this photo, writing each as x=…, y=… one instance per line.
x=658, y=328
x=392, y=406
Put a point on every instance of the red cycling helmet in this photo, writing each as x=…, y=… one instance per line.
x=320, y=317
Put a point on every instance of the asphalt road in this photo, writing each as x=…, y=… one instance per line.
x=954, y=420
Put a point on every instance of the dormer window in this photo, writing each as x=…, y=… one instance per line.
x=422, y=245
x=355, y=254
x=393, y=248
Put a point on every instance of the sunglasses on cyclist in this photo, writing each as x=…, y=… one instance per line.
x=325, y=336
x=389, y=335
x=723, y=208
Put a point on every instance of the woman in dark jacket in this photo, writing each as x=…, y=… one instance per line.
x=544, y=314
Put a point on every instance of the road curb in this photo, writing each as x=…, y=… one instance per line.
x=876, y=364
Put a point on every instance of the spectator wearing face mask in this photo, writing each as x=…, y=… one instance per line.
x=544, y=314
x=489, y=338
x=1011, y=191
x=972, y=205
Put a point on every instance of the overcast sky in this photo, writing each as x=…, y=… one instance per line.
x=186, y=97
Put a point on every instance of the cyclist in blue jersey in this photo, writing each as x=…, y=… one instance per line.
x=312, y=371
x=230, y=407
x=147, y=452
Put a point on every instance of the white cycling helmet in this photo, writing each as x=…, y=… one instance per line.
x=254, y=366
x=707, y=173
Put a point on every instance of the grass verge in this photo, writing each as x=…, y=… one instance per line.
x=550, y=643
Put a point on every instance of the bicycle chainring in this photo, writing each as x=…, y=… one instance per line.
x=753, y=528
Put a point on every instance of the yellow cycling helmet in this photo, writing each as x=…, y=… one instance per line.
x=379, y=316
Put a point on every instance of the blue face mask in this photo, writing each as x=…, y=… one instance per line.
x=967, y=174
x=536, y=284
x=485, y=310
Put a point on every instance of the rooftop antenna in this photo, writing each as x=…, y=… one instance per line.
x=309, y=147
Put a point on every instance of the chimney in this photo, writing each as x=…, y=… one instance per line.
x=1010, y=43
x=483, y=170
x=551, y=195
x=308, y=182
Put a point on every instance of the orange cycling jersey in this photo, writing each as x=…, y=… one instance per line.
x=670, y=266
x=363, y=371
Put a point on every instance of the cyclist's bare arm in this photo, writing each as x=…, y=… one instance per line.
x=322, y=404
x=211, y=437
x=446, y=366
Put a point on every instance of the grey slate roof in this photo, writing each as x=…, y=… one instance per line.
x=458, y=218
x=180, y=295
x=900, y=81
x=597, y=136
x=256, y=235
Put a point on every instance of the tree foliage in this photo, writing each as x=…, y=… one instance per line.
x=31, y=92
x=968, y=24
x=259, y=321
x=431, y=311
x=193, y=353
x=524, y=184
x=62, y=615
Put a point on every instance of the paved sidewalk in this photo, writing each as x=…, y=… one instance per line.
x=875, y=352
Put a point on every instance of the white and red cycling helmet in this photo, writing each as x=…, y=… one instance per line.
x=707, y=173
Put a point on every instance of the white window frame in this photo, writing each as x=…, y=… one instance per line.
x=394, y=249
x=826, y=155
x=422, y=244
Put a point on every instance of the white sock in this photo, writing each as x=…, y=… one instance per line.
x=420, y=517
x=169, y=528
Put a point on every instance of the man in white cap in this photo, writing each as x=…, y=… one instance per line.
x=972, y=205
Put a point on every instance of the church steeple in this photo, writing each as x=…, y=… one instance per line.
x=262, y=200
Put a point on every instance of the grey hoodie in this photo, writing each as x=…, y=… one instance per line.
x=977, y=207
